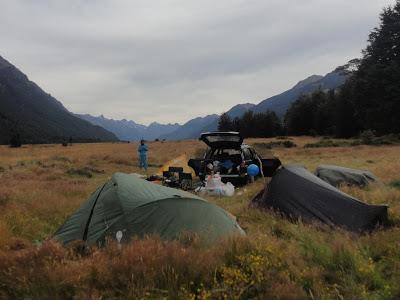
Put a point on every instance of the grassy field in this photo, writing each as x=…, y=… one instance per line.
x=43, y=184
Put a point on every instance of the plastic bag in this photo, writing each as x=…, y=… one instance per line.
x=215, y=187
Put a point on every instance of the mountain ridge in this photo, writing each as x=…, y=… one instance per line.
x=278, y=103
x=130, y=130
x=192, y=128
x=281, y=102
x=37, y=117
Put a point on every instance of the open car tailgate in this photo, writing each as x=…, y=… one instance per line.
x=228, y=140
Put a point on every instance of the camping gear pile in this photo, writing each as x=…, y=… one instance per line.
x=176, y=178
x=299, y=194
x=127, y=206
x=214, y=186
x=230, y=157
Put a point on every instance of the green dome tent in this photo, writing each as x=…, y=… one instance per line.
x=137, y=207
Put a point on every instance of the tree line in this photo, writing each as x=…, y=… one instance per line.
x=252, y=124
x=368, y=100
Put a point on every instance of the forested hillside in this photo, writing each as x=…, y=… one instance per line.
x=369, y=100
x=30, y=115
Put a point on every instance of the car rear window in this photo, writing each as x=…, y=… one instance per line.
x=223, y=138
x=228, y=151
x=222, y=152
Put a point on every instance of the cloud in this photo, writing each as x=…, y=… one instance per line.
x=170, y=61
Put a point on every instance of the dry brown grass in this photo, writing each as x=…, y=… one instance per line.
x=277, y=258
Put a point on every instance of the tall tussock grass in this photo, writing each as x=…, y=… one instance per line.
x=148, y=268
x=313, y=266
x=278, y=259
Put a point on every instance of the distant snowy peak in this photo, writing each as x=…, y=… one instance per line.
x=130, y=130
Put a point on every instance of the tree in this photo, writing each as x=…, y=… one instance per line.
x=299, y=119
x=345, y=121
x=15, y=141
x=374, y=87
x=349, y=68
x=247, y=124
x=225, y=123
x=267, y=124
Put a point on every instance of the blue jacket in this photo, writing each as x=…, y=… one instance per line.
x=142, y=149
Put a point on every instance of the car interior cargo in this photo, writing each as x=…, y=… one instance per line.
x=228, y=156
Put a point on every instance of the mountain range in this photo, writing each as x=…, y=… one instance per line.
x=37, y=117
x=129, y=130
x=281, y=102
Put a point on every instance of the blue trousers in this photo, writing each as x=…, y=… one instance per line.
x=143, y=162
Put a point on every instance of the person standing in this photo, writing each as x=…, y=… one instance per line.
x=142, y=150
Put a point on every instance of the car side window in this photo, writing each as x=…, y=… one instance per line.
x=209, y=153
x=253, y=153
x=247, y=154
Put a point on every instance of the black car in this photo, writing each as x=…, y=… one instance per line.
x=227, y=155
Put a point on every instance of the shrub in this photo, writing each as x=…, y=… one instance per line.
x=367, y=137
x=325, y=143
x=277, y=144
x=80, y=172
x=122, y=161
x=395, y=184
x=85, y=171
x=61, y=158
x=4, y=198
x=15, y=141
x=289, y=144
x=312, y=132
x=388, y=139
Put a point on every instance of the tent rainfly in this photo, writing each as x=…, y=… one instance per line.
x=135, y=207
x=300, y=194
x=336, y=175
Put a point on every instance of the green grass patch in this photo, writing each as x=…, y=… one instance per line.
x=395, y=184
x=275, y=144
x=85, y=171
x=328, y=143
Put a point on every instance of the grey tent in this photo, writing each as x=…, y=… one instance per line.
x=136, y=207
x=299, y=194
x=336, y=175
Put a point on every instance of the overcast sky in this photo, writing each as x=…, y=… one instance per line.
x=170, y=61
